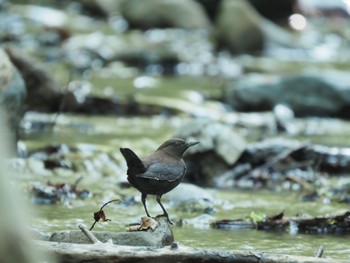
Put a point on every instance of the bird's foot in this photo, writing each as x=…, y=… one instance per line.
x=167, y=217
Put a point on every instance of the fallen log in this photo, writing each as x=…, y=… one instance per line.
x=112, y=252
x=108, y=253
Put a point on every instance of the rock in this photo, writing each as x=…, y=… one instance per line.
x=285, y=163
x=324, y=93
x=44, y=92
x=12, y=95
x=185, y=14
x=191, y=198
x=202, y=221
x=161, y=236
x=238, y=27
x=220, y=146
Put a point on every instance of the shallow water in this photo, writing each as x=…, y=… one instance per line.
x=99, y=135
x=62, y=217
x=107, y=134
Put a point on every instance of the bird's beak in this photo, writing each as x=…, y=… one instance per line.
x=189, y=144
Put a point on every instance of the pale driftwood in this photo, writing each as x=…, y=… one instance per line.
x=88, y=234
x=108, y=253
x=319, y=251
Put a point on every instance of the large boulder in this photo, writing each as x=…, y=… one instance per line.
x=191, y=198
x=45, y=93
x=220, y=147
x=12, y=94
x=324, y=93
x=186, y=14
x=238, y=27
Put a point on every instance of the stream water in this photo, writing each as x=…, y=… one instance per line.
x=108, y=134
x=94, y=141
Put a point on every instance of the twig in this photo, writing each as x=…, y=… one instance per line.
x=89, y=234
x=319, y=251
x=62, y=102
x=74, y=186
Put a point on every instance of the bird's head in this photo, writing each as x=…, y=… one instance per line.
x=176, y=147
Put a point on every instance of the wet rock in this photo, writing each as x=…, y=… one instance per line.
x=159, y=237
x=324, y=93
x=164, y=13
x=52, y=193
x=44, y=92
x=238, y=27
x=202, y=221
x=12, y=95
x=289, y=164
x=220, y=146
x=191, y=198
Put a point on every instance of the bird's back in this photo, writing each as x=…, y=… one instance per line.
x=157, y=174
x=161, y=166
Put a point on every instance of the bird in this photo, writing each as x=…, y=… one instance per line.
x=160, y=172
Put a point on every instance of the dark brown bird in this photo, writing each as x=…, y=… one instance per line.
x=158, y=173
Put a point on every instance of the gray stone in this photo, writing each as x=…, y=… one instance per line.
x=44, y=91
x=213, y=136
x=186, y=14
x=238, y=27
x=161, y=236
x=191, y=198
x=325, y=93
x=12, y=94
x=220, y=146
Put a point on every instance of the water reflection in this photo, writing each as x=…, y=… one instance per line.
x=251, y=240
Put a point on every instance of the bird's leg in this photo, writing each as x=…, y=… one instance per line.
x=143, y=199
x=158, y=197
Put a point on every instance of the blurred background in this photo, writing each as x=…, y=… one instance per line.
x=262, y=84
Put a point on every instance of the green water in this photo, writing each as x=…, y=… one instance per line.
x=107, y=134
x=61, y=217
x=101, y=137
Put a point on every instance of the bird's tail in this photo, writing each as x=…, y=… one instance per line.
x=135, y=165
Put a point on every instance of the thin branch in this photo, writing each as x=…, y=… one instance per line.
x=89, y=234
x=319, y=251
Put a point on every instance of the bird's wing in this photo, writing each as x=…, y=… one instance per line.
x=135, y=165
x=160, y=172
